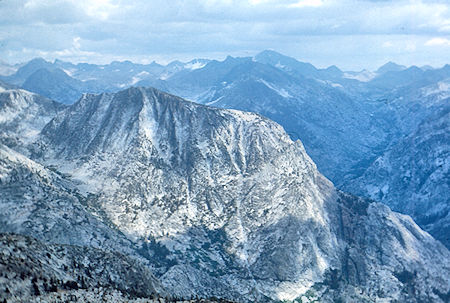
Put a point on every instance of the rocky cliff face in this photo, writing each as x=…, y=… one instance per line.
x=230, y=206
x=23, y=115
x=338, y=130
x=39, y=201
x=411, y=176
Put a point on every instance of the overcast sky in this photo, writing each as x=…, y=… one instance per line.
x=352, y=34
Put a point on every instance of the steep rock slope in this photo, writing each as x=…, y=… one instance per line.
x=23, y=115
x=39, y=202
x=338, y=131
x=237, y=209
x=413, y=176
x=29, y=268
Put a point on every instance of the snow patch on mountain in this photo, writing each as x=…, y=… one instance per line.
x=70, y=72
x=139, y=77
x=280, y=66
x=215, y=101
x=195, y=65
x=362, y=76
x=23, y=115
x=229, y=197
x=441, y=90
x=280, y=91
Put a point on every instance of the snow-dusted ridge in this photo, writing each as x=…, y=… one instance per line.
x=23, y=115
x=239, y=209
x=346, y=120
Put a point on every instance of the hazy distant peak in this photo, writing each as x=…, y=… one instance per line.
x=38, y=60
x=333, y=70
x=427, y=67
x=269, y=53
x=390, y=67
x=286, y=63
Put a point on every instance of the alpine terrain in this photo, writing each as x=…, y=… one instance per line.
x=213, y=202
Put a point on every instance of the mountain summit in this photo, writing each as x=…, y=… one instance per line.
x=390, y=67
x=235, y=207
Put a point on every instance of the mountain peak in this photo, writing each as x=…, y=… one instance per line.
x=333, y=68
x=120, y=120
x=269, y=53
x=29, y=68
x=61, y=62
x=229, y=197
x=38, y=60
x=229, y=59
x=286, y=63
x=54, y=83
x=390, y=67
x=333, y=71
x=271, y=56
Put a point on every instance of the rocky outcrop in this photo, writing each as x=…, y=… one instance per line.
x=231, y=207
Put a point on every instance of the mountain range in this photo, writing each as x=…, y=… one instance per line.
x=217, y=203
x=213, y=199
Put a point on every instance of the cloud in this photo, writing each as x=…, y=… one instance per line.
x=438, y=42
x=99, y=9
x=288, y=3
x=306, y=3
x=321, y=31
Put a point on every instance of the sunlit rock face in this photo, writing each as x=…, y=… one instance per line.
x=224, y=203
x=347, y=121
x=23, y=115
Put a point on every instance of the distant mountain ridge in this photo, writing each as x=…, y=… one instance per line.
x=390, y=67
x=58, y=85
x=219, y=202
x=66, y=82
x=119, y=75
x=346, y=120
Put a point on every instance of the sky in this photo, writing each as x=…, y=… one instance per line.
x=352, y=34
